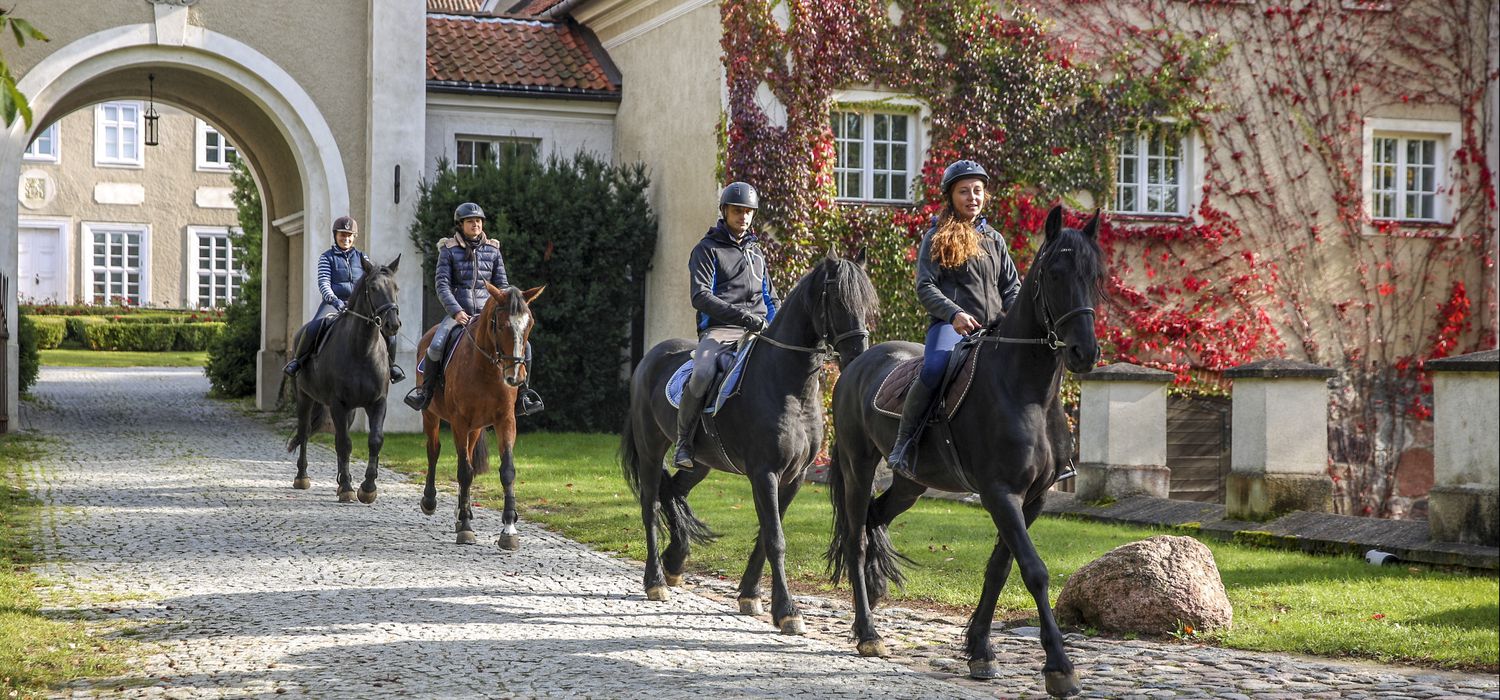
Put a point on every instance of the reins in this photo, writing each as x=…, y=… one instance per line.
x=1049, y=324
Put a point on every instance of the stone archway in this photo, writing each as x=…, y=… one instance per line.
x=287, y=141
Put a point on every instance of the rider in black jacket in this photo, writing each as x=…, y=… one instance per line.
x=731, y=289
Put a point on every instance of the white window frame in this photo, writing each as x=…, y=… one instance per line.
x=53, y=136
x=1190, y=173
x=103, y=159
x=495, y=144
x=1449, y=139
x=86, y=265
x=867, y=104
x=200, y=148
x=194, y=262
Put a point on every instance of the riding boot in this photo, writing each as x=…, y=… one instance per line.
x=305, y=346
x=913, y=413
x=528, y=402
x=397, y=374
x=688, y=414
x=421, y=395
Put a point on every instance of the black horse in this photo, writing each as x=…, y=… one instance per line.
x=770, y=432
x=351, y=370
x=1003, y=432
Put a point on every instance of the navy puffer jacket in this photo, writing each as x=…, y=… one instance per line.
x=338, y=272
x=462, y=270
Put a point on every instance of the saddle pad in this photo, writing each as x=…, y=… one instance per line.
x=891, y=395
x=454, y=336
x=725, y=385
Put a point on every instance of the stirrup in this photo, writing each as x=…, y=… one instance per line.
x=292, y=367
x=528, y=402
x=397, y=374
x=1067, y=472
x=416, y=399
x=905, y=471
x=683, y=457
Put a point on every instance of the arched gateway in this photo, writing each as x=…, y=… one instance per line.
x=325, y=101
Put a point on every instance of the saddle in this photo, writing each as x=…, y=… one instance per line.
x=729, y=367
x=959, y=376
x=454, y=336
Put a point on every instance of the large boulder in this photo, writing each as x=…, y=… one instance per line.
x=1154, y=586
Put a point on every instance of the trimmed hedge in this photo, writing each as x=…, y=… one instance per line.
x=150, y=337
x=50, y=332
x=30, y=363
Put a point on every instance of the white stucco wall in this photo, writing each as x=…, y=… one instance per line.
x=1466, y=440
x=1123, y=423
x=562, y=127
x=1280, y=426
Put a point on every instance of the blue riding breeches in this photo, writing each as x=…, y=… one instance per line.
x=941, y=337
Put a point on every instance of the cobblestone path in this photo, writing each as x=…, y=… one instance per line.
x=175, y=515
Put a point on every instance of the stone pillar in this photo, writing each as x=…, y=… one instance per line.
x=1464, y=505
x=1279, y=455
x=1122, y=421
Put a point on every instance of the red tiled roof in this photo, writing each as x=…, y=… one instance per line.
x=531, y=8
x=472, y=7
x=516, y=55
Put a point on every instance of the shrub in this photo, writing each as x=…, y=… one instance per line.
x=196, y=336
x=584, y=229
x=49, y=332
x=232, y=352
x=149, y=337
x=30, y=362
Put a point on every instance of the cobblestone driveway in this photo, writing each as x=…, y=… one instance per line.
x=244, y=587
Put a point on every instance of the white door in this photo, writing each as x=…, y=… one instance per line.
x=40, y=274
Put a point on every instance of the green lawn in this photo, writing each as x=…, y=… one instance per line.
x=37, y=650
x=65, y=357
x=1283, y=601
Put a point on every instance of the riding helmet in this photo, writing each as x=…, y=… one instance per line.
x=961, y=169
x=345, y=223
x=740, y=194
x=467, y=210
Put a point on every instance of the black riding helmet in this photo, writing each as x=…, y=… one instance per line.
x=740, y=194
x=961, y=169
x=467, y=210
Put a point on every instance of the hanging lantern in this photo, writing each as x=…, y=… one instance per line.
x=151, y=115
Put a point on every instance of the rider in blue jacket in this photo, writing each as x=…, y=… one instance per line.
x=732, y=291
x=339, y=270
x=465, y=262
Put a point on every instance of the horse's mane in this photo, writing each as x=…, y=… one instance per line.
x=856, y=290
x=1089, y=256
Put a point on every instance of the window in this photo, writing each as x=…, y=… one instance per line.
x=45, y=147
x=217, y=274
x=1152, y=173
x=118, y=263
x=473, y=151
x=117, y=134
x=214, y=151
x=1406, y=175
x=873, y=155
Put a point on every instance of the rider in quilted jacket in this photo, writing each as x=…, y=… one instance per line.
x=466, y=261
x=339, y=270
x=732, y=292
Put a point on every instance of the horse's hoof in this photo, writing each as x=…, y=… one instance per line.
x=873, y=647
x=510, y=542
x=467, y=537
x=346, y=497
x=792, y=624
x=1062, y=685
x=657, y=593
x=366, y=497
x=428, y=508
x=750, y=606
x=674, y=580
x=302, y=482
x=984, y=669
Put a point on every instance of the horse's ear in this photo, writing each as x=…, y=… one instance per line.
x=859, y=256
x=395, y=263
x=530, y=295
x=1091, y=229
x=364, y=262
x=1054, y=221
x=493, y=290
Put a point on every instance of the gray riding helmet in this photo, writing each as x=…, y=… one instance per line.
x=961, y=169
x=740, y=194
x=467, y=210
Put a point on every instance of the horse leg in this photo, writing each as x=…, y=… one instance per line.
x=432, y=427
x=867, y=584
x=981, y=653
x=304, y=430
x=509, y=538
x=342, y=446
x=1011, y=519
x=749, y=598
x=463, y=440
x=650, y=476
x=784, y=613
x=375, y=413
x=682, y=526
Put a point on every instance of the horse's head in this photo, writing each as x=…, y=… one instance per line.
x=375, y=297
x=1066, y=276
x=844, y=305
x=506, y=321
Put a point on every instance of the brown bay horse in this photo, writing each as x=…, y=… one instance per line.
x=478, y=391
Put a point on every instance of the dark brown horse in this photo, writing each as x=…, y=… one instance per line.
x=1003, y=436
x=479, y=391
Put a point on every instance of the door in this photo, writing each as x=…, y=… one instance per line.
x=41, y=277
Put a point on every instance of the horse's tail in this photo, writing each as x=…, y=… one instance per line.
x=835, y=554
x=630, y=457
x=882, y=561
x=679, y=515
x=306, y=429
x=480, y=462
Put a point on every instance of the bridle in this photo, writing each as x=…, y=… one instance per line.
x=1050, y=323
x=827, y=346
x=495, y=357
x=376, y=317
